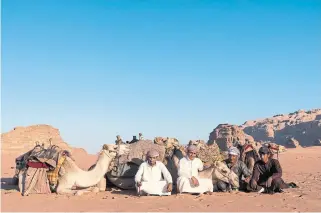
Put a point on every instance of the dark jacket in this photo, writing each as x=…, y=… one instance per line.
x=262, y=171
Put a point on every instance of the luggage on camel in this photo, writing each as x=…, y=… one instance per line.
x=34, y=181
x=37, y=171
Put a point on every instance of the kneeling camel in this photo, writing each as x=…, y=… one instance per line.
x=73, y=176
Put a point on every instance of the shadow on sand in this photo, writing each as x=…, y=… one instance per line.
x=129, y=192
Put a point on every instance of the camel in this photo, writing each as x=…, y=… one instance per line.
x=74, y=176
x=220, y=171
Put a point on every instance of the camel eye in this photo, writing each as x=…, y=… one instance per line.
x=224, y=171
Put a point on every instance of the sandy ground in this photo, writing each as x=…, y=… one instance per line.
x=302, y=166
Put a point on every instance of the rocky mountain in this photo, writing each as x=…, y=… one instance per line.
x=22, y=139
x=300, y=128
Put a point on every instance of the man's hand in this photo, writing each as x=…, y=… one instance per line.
x=269, y=182
x=195, y=181
x=139, y=184
x=207, y=165
x=169, y=187
x=247, y=180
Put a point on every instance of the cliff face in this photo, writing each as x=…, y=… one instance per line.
x=22, y=139
x=225, y=135
x=301, y=128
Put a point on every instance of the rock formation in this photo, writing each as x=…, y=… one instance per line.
x=22, y=139
x=302, y=126
x=226, y=135
x=292, y=143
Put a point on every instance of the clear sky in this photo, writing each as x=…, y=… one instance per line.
x=176, y=68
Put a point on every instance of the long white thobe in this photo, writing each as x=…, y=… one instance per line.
x=151, y=178
x=190, y=168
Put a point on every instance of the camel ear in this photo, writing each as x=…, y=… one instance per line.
x=105, y=147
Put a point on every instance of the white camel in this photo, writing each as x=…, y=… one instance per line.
x=73, y=176
x=220, y=171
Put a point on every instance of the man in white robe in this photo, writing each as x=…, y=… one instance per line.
x=149, y=177
x=188, y=169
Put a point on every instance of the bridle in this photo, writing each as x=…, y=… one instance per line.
x=106, y=152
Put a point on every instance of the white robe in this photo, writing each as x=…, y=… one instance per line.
x=188, y=168
x=151, y=178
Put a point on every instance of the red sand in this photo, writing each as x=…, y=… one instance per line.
x=301, y=165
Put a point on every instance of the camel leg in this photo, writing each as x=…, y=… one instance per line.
x=64, y=187
x=63, y=191
x=102, y=184
x=78, y=192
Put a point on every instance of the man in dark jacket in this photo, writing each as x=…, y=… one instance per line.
x=267, y=174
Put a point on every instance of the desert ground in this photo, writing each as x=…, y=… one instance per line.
x=301, y=165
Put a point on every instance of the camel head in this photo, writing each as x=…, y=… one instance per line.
x=207, y=173
x=121, y=149
x=169, y=143
x=172, y=143
x=160, y=141
x=222, y=172
x=108, y=150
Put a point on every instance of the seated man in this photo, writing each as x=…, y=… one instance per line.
x=238, y=167
x=267, y=174
x=149, y=177
x=188, y=169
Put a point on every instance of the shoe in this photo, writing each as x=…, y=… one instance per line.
x=261, y=190
x=292, y=185
x=279, y=190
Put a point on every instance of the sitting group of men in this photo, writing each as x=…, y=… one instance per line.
x=153, y=178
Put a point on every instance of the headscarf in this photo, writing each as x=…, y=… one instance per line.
x=233, y=151
x=264, y=150
x=192, y=148
x=152, y=153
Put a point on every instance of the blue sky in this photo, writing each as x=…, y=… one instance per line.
x=95, y=69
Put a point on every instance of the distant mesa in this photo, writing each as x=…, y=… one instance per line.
x=300, y=128
x=22, y=139
x=297, y=129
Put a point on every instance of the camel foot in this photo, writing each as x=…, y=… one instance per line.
x=102, y=190
x=95, y=190
x=78, y=193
